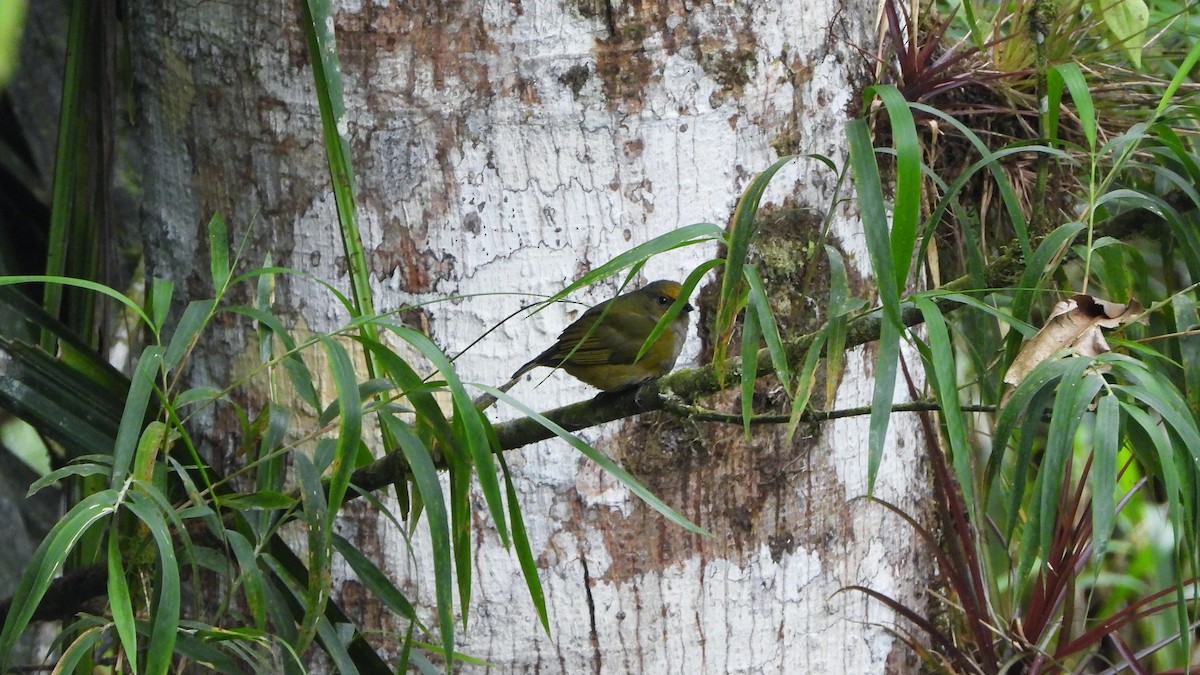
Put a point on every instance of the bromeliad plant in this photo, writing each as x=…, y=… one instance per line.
x=1040, y=504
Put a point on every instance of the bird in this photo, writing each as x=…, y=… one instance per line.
x=600, y=348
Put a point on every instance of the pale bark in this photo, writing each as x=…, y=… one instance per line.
x=508, y=148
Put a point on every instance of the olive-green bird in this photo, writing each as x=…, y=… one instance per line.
x=605, y=357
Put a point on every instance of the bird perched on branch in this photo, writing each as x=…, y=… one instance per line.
x=604, y=356
x=601, y=347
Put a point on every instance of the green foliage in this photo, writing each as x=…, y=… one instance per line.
x=1043, y=499
x=1039, y=502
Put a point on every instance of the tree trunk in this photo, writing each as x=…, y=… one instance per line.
x=508, y=148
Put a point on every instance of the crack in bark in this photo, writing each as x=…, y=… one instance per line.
x=591, y=603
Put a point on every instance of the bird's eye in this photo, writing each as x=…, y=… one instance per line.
x=664, y=300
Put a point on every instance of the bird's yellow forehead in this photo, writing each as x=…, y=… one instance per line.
x=670, y=289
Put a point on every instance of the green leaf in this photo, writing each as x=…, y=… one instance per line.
x=318, y=24
x=1070, y=75
x=473, y=435
x=525, y=555
x=85, y=469
x=46, y=562
x=375, y=580
x=741, y=232
x=82, y=648
x=152, y=440
x=269, y=500
x=604, y=462
x=749, y=367
x=939, y=358
x=319, y=549
x=1076, y=390
x=906, y=213
x=160, y=300
x=1126, y=21
x=218, y=252
x=297, y=372
x=769, y=329
x=119, y=601
x=804, y=383
x=130, y=431
x=425, y=476
x=349, y=425
x=686, y=289
x=86, y=285
x=187, y=331
x=166, y=613
x=1104, y=471
x=250, y=577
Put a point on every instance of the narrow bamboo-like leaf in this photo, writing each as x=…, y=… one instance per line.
x=749, y=369
x=46, y=562
x=886, y=365
x=85, y=469
x=461, y=518
x=334, y=644
x=604, y=462
x=297, y=372
x=1069, y=74
x=906, y=216
x=668, y=241
x=250, y=577
x=118, y=599
x=1181, y=75
x=941, y=360
x=1032, y=433
x=804, y=384
x=1104, y=471
x=1076, y=389
x=769, y=329
x=264, y=291
x=218, y=253
x=160, y=300
x=419, y=394
x=474, y=434
x=867, y=185
x=425, y=476
x=525, y=555
x=875, y=226
x=197, y=395
x=1186, y=318
x=166, y=612
x=151, y=441
x=319, y=546
x=349, y=424
x=141, y=388
x=187, y=331
x=51, y=280
x=840, y=305
x=72, y=223
x=737, y=241
x=375, y=580
x=81, y=648
x=318, y=27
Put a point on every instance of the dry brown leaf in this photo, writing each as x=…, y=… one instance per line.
x=1075, y=323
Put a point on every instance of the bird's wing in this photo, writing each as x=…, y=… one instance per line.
x=607, y=344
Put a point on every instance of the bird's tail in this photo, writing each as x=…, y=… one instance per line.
x=485, y=401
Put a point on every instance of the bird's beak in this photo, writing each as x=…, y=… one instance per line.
x=687, y=307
